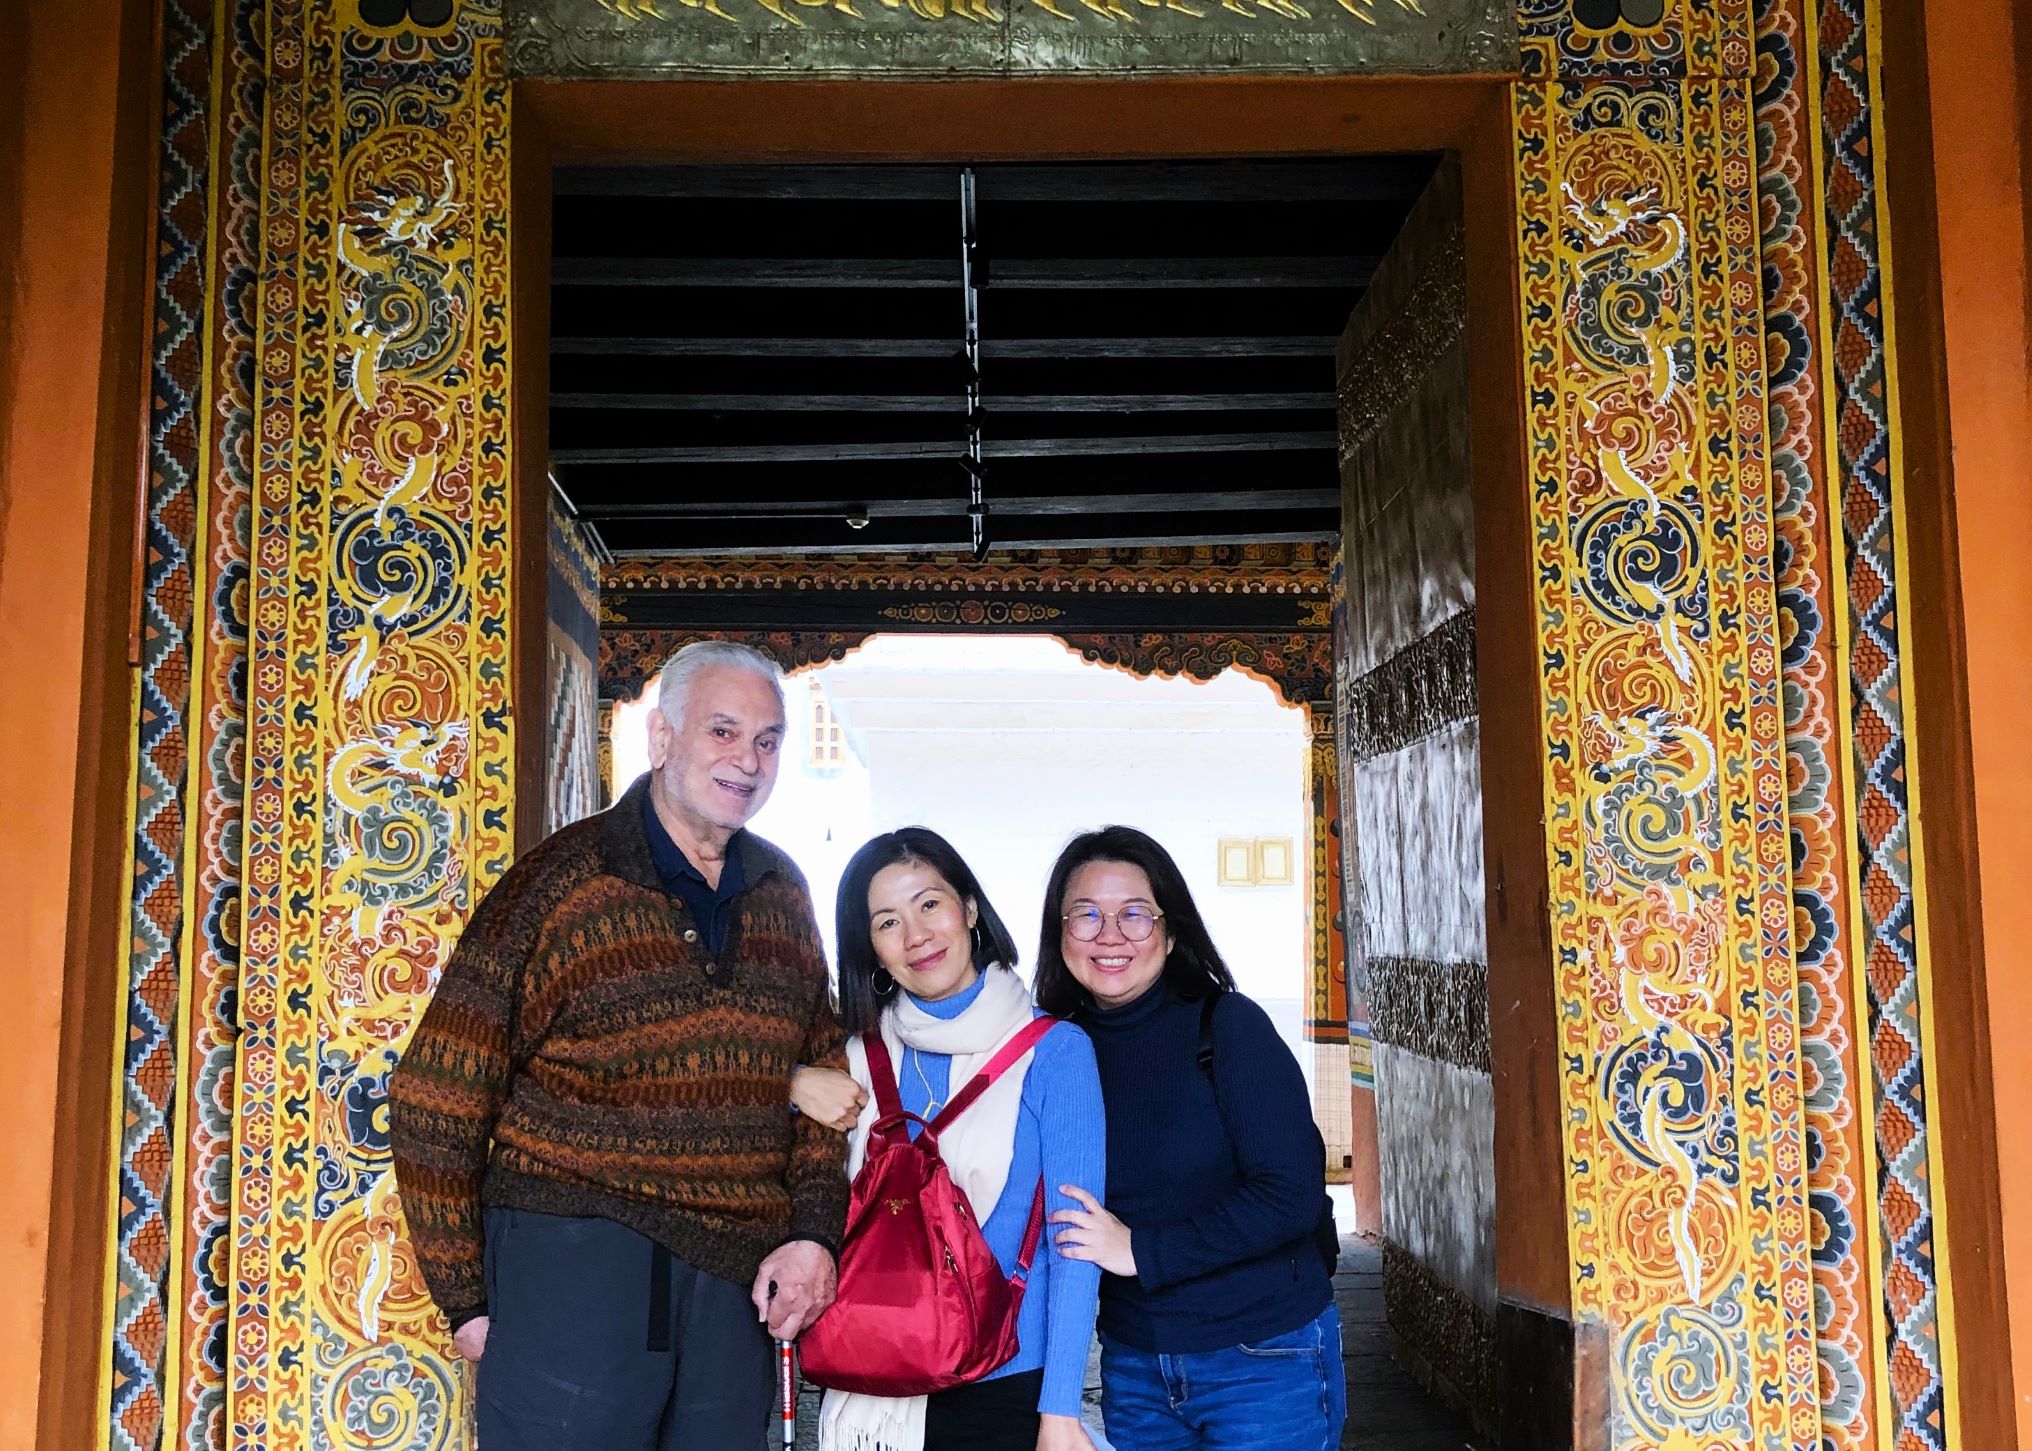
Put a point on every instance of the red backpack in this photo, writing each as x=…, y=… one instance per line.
x=922, y=1304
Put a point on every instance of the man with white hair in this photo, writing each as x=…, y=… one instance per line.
x=606, y=1190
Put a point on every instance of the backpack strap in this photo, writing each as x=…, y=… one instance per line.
x=1024, y=1040
x=1325, y=1237
x=881, y=1076
x=1207, y=1005
x=1032, y=1234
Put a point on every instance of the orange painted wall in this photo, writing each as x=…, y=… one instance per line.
x=1365, y=1167
x=1979, y=95
x=74, y=181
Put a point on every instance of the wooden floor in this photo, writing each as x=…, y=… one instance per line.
x=1386, y=1409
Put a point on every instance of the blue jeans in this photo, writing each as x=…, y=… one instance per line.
x=1286, y=1393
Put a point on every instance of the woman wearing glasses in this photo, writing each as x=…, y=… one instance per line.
x=1217, y=1320
x=926, y=972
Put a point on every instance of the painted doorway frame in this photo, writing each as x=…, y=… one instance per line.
x=1696, y=69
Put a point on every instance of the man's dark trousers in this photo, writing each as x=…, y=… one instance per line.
x=569, y=1364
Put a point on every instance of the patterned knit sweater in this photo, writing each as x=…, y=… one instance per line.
x=585, y=1055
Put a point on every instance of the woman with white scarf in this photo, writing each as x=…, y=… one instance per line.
x=926, y=963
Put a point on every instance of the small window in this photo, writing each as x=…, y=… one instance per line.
x=828, y=741
x=1261, y=861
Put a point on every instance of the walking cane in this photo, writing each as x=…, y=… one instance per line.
x=786, y=1384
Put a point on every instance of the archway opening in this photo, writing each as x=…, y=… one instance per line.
x=1007, y=745
x=1157, y=460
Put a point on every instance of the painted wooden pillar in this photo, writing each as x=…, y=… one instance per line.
x=1646, y=420
x=1365, y=1169
x=378, y=791
x=1326, y=1014
x=606, y=765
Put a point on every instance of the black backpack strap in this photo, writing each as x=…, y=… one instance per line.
x=1207, y=1005
x=1325, y=1237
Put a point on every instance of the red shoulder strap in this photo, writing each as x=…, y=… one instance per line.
x=1032, y=1233
x=1005, y=1057
x=881, y=1076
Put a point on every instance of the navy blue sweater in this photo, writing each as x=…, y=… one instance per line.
x=1220, y=1196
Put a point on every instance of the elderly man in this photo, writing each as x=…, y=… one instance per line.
x=608, y=1193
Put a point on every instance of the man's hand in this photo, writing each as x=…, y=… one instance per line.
x=827, y=1096
x=802, y=1272
x=470, y=1339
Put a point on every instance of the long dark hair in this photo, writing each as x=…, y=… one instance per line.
x=860, y=1007
x=1192, y=969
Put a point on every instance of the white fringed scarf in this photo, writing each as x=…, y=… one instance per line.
x=976, y=1151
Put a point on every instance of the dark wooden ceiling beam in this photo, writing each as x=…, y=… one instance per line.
x=815, y=453
x=761, y=183
x=1268, y=501
x=1364, y=179
x=1237, y=349
x=657, y=482
x=1005, y=274
x=946, y=402
x=899, y=272
x=744, y=539
x=1014, y=349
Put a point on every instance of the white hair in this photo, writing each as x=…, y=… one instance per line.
x=673, y=685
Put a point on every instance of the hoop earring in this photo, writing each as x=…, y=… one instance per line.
x=875, y=981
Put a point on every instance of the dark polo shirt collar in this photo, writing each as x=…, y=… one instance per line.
x=624, y=845
x=711, y=907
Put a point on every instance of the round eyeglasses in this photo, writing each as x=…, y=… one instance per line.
x=1135, y=922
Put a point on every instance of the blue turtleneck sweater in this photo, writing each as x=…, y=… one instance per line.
x=1220, y=1194
x=1061, y=1133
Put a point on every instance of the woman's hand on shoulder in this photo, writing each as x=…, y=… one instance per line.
x=1093, y=1234
x=827, y=1096
x=1062, y=1433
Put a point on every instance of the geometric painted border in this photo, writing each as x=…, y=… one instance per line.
x=196, y=1380
x=144, y=1324
x=1840, y=1183
x=571, y=749
x=1862, y=423
x=165, y=1354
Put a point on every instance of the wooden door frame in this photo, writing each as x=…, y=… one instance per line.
x=794, y=121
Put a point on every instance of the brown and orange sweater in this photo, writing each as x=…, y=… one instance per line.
x=586, y=1055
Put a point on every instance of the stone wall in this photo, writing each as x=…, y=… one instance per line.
x=1411, y=737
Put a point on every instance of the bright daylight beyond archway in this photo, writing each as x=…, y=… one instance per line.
x=1008, y=745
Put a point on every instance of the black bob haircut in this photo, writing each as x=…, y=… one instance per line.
x=1192, y=969
x=860, y=1008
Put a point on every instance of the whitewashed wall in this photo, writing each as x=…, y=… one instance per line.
x=1008, y=746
